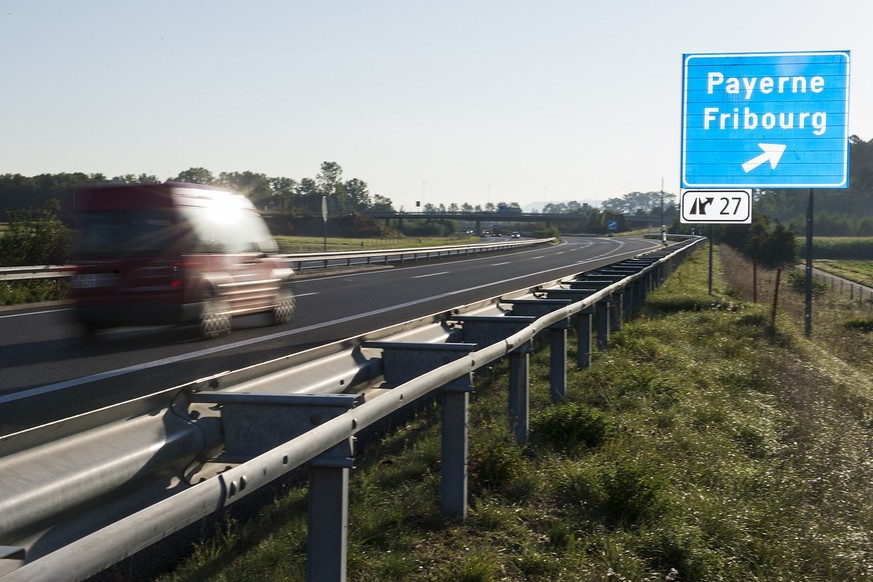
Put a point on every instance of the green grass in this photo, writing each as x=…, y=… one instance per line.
x=842, y=248
x=16, y=292
x=703, y=445
x=860, y=272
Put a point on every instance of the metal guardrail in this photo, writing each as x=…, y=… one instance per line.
x=301, y=261
x=36, y=272
x=81, y=494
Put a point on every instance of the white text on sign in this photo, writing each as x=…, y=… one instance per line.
x=747, y=119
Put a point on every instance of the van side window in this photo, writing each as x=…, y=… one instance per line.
x=127, y=233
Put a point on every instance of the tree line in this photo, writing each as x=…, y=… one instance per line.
x=287, y=195
x=838, y=211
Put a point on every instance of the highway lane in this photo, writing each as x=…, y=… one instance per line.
x=49, y=370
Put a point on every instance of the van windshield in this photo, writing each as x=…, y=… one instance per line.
x=222, y=228
x=125, y=233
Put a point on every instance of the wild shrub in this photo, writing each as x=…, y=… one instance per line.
x=797, y=283
x=495, y=465
x=862, y=324
x=570, y=425
x=635, y=492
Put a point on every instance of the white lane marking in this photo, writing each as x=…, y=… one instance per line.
x=499, y=264
x=33, y=312
x=432, y=275
x=232, y=346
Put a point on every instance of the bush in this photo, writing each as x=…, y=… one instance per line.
x=36, y=238
x=797, y=283
x=32, y=291
x=569, y=425
x=635, y=493
x=495, y=465
x=862, y=324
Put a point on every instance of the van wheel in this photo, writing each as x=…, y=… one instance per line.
x=284, y=306
x=215, y=318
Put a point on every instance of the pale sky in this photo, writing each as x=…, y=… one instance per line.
x=440, y=102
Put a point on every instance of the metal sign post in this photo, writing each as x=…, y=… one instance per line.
x=324, y=218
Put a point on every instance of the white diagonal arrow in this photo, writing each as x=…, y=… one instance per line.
x=772, y=153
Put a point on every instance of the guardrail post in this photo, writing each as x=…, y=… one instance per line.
x=557, y=337
x=583, y=321
x=488, y=330
x=519, y=392
x=616, y=309
x=254, y=423
x=602, y=313
x=583, y=333
x=327, y=542
x=558, y=364
x=402, y=362
x=454, y=449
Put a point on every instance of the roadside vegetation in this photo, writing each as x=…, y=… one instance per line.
x=860, y=272
x=705, y=444
x=839, y=248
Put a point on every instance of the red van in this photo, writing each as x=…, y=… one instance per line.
x=158, y=254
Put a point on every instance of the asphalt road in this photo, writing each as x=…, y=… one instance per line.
x=49, y=370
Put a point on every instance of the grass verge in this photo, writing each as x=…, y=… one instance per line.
x=860, y=272
x=18, y=292
x=703, y=445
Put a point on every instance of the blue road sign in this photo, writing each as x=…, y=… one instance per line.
x=765, y=120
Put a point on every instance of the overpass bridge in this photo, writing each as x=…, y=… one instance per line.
x=490, y=218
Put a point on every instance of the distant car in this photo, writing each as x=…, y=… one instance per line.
x=158, y=254
x=515, y=234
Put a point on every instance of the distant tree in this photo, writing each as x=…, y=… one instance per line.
x=195, y=176
x=331, y=174
x=382, y=204
x=284, y=193
x=358, y=195
x=309, y=199
x=136, y=179
x=256, y=187
x=639, y=202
